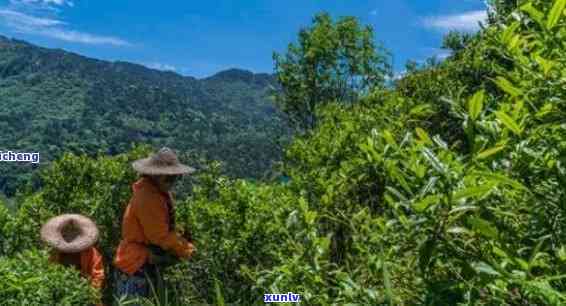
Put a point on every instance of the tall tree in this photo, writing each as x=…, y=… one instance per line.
x=333, y=61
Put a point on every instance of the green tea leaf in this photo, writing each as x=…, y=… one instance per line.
x=489, y=152
x=509, y=122
x=389, y=138
x=433, y=160
x=426, y=202
x=423, y=135
x=475, y=105
x=508, y=87
x=475, y=191
x=458, y=230
x=396, y=192
x=555, y=13
x=218, y=293
x=426, y=188
x=482, y=267
x=483, y=227
x=510, y=32
x=499, y=178
x=545, y=64
x=514, y=42
x=535, y=14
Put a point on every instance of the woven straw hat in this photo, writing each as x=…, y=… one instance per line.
x=165, y=162
x=70, y=233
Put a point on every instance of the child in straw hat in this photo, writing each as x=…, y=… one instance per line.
x=72, y=238
x=148, y=226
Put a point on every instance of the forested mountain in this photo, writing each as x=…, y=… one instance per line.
x=53, y=101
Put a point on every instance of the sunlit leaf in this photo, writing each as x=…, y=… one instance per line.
x=482, y=267
x=426, y=202
x=509, y=122
x=489, y=152
x=464, y=208
x=555, y=13
x=499, y=178
x=475, y=105
x=433, y=160
x=474, y=191
x=509, y=32
x=508, y=87
x=423, y=135
x=389, y=138
x=535, y=14
x=545, y=64
x=483, y=227
x=458, y=230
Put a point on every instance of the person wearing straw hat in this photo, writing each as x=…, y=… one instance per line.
x=148, y=225
x=72, y=238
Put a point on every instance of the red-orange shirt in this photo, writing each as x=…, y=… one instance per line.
x=92, y=265
x=147, y=221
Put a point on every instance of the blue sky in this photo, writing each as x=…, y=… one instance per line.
x=200, y=38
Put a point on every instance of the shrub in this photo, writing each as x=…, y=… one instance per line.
x=235, y=225
x=5, y=218
x=29, y=279
x=98, y=188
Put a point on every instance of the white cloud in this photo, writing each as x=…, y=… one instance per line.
x=160, y=66
x=81, y=37
x=468, y=21
x=19, y=20
x=45, y=2
x=52, y=28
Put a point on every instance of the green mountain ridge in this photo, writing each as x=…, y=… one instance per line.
x=55, y=101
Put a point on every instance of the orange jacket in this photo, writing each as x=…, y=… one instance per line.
x=146, y=221
x=92, y=266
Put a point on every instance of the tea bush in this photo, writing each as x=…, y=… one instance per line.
x=98, y=188
x=235, y=226
x=446, y=190
x=28, y=278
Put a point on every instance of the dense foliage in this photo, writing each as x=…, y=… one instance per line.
x=55, y=102
x=332, y=61
x=28, y=279
x=447, y=189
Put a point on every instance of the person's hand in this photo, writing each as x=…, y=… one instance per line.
x=161, y=258
x=191, y=250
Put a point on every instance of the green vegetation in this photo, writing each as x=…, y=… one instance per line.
x=28, y=279
x=332, y=62
x=55, y=102
x=447, y=189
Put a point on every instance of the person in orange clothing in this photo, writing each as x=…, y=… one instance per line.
x=148, y=225
x=72, y=238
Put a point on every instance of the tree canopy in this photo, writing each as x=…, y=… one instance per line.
x=332, y=61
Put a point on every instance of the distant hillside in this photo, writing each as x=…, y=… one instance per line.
x=54, y=101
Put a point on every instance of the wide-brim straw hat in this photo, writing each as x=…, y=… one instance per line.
x=84, y=233
x=164, y=162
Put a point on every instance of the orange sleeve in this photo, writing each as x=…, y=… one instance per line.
x=97, y=269
x=92, y=266
x=152, y=214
